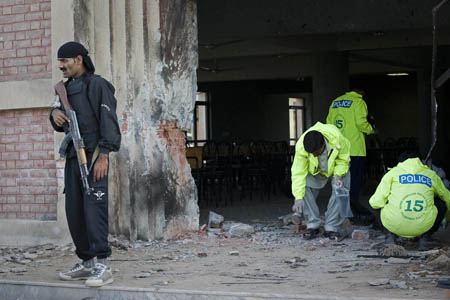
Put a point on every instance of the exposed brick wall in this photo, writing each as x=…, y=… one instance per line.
x=25, y=39
x=28, y=184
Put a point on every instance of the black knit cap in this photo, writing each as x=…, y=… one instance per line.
x=72, y=50
x=313, y=141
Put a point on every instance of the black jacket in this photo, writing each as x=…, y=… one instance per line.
x=92, y=98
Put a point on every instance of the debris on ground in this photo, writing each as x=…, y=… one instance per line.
x=393, y=250
x=215, y=220
x=255, y=258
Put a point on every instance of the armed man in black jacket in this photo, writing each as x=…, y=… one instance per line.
x=92, y=98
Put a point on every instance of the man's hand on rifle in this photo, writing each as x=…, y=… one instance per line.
x=101, y=167
x=59, y=117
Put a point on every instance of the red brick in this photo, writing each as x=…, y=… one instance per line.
x=21, y=53
x=24, y=147
x=51, y=182
x=26, y=138
x=9, y=130
x=7, y=53
x=24, y=173
x=7, y=19
x=7, y=10
x=9, y=173
x=11, y=207
x=22, y=44
x=35, y=51
x=20, y=9
x=3, y=182
x=40, y=198
x=3, y=199
x=21, y=26
x=9, y=147
x=52, y=208
x=48, y=146
x=39, y=173
x=36, y=42
x=45, y=6
x=39, y=208
x=10, y=155
x=20, y=35
x=34, y=34
x=10, y=190
x=26, y=216
x=8, y=71
x=34, y=16
x=25, y=207
x=23, y=61
x=7, y=2
x=32, y=1
x=2, y=147
x=6, y=139
x=51, y=198
x=25, y=199
x=12, y=199
x=38, y=164
x=23, y=155
x=46, y=42
x=49, y=164
x=52, y=190
x=37, y=68
x=8, y=122
x=20, y=1
x=2, y=165
x=24, y=164
x=34, y=7
x=20, y=17
x=11, y=164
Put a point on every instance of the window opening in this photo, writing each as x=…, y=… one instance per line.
x=296, y=119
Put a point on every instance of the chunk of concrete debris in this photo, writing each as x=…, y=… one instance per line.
x=241, y=230
x=289, y=219
x=202, y=254
x=143, y=275
x=234, y=253
x=442, y=261
x=378, y=282
x=18, y=270
x=393, y=250
x=398, y=284
x=396, y=260
x=361, y=234
x=215, y=220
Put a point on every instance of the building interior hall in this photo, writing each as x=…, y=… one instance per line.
x=268, y=70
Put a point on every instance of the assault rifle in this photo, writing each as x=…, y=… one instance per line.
x=73, y=130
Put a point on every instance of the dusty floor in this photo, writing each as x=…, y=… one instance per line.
x=274, y=259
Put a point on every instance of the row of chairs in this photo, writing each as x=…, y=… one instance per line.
x=249, y=169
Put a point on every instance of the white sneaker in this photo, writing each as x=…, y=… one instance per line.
x=78, y=272
x=100, y=275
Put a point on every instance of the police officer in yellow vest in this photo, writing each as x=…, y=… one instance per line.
x=349, y=113
x=320, y=153
x=406, y=197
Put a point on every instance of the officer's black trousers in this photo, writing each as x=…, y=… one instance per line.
x=357, y=166
x=87, y=215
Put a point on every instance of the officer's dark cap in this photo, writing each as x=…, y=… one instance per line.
x=313, y=141
x=72, y=50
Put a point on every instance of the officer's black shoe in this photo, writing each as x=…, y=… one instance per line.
x=332, y=235
x=311, y=234
x=390, y=239
x=424, y=243
x=444, y=283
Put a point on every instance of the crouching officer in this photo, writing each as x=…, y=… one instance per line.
x=320, y=153
x=92, y=99
x=406, y=197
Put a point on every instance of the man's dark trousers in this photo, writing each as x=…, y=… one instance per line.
x=357, y=166
x=87, y=215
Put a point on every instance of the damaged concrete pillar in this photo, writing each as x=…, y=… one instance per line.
x=148, y=50
x=330, y=80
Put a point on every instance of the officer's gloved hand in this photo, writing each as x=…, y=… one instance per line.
x=298, y=206
x=338, y=181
